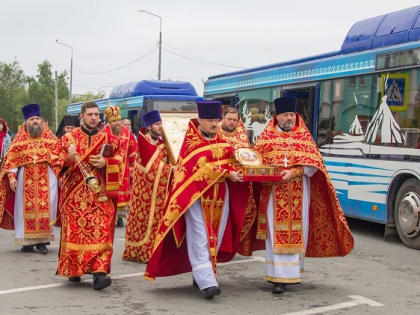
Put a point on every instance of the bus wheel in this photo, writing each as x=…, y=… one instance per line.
x=407, y=213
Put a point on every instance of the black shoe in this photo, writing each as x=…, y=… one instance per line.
x=27, y=248
x=278, y=288
x=42, y=248
x=101, y=281
x=195, y=285
x=211, y=292
x=75, y=279
x=120, y=222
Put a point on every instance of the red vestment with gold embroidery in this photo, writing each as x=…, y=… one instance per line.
x=87, y=224
x=239, y=139
x=128, y=147
x=150, y=189
x=329, y=234
x=202, y=167
x=34, y=155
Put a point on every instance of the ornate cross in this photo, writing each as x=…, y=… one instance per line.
x=35, y=158
x=285, y=160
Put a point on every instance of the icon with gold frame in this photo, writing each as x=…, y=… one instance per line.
x=250, y=162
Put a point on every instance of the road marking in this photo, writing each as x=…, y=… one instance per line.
x=38, y=287
x=116, y=277
x=357, y=300
x=251, y=259
x=18, y=249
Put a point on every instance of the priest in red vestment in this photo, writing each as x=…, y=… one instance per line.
x=301, y=215
x=152, y=173
x=29, y=188
x=87, y=215
x=233, y=131
x=128, y=145
x=196, y=229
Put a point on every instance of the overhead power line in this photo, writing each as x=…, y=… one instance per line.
x=122, y=66
x=112, y=85
x=193, y=60
x=199, y=60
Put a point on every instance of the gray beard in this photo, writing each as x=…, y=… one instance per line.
x=286, y=127
x=35, y=132
x=116, y=131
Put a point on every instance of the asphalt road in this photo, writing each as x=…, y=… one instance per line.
x=377, y=277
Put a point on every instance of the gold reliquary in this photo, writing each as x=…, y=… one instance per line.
x=251, y=162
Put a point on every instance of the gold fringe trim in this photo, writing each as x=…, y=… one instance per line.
x=289, y=250
x=261, y=236
x=121, y=205
x=32, y=241
x=112, y=186
x=149, y=278
x=85, y=247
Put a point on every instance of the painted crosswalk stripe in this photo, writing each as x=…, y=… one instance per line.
x=116, y=277
x=356, y=300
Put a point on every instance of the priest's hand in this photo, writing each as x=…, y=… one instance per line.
x=236, y=177
x=13, y=184
x=97, y=160
x=71, y=152
x=287, y=175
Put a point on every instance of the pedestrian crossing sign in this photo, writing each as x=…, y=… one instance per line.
x=395, y=87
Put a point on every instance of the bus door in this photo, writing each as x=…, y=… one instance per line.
x=132, y=115
x=305, y=99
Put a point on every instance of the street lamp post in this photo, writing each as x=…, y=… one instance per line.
x=160, y=39
x=71, y=68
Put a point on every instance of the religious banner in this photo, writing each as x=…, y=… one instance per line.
x=175, y=126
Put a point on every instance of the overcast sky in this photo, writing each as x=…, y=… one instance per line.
x=200, y=38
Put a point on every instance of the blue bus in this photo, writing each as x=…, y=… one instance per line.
x=137, y=98
x=362, y=105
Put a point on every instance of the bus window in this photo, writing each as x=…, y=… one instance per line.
x=346, y=107
x=175, y=106
x=256, y=109
x=324, y=114
x=402, y=90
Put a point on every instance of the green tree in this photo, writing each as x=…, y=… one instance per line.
x=89, y=96
x=13, y=95
x=41, y=90
x=17, y=89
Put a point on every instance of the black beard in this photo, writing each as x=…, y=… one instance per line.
x=88, y=127
x=227, y=129
x=154, y=134
x=35, y=131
